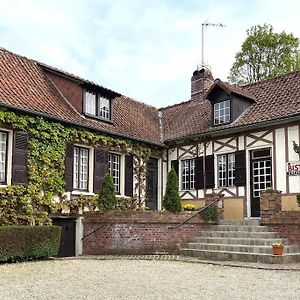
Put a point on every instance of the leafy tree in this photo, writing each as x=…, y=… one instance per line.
x=171, y=200
x=265, y=54
x=107, y=196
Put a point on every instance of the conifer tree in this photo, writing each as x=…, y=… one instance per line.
x=171, y=200
x=107, y=196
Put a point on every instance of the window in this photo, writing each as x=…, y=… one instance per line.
x=80, y=167
x=222, y=112
x=3, y=155
x=97, y=105
x=226, y=170
x=114, y=169
x=188, y=174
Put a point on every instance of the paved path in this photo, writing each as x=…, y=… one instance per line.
x=156, y=278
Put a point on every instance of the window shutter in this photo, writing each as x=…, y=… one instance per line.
x=129, y=175
x=69, y=164
x=100, y=168
x=175, y=166
x=209, y=172
x=240, y=168
x=199, y=178
x=20, y=158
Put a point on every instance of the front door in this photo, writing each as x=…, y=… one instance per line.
x=152, y=182
x=261, y=177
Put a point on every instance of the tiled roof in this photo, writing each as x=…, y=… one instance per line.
x=24, y=85
x=274, y=99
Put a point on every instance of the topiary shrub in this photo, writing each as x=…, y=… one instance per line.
x=18, y=243
x=107, y=196
x=171, y=200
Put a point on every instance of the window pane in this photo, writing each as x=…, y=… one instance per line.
x=222, y=112
x=114, y=170
x=188, y=174
x=104, y=108
x=81, y=168
x=3, y=139
x=90, y=103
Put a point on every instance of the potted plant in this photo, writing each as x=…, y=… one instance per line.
x=277, y=248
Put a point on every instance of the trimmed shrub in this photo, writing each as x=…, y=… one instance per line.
x=210, y=214
x=171, y=200
x=126, y=203
x=18, y=243
x=107, y=196
x=298, y=199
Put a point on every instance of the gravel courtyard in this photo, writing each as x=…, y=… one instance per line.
x=137, y=279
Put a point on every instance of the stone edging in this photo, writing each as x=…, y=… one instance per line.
x=257, y=266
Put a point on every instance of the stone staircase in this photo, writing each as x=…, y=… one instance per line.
x=240, y=240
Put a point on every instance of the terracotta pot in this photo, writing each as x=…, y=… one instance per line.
x=277, y=250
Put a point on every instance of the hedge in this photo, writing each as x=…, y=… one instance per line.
x=18, y=243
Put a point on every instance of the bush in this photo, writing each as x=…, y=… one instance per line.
x=171, y=200
x=189, y=207
x=18, y=243
x=210, y=214
x=125, y=203
x=107, y=196
x=298, y=199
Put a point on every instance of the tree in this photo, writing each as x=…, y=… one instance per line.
x=265, y=54
x=107, y=196
x=171, y=200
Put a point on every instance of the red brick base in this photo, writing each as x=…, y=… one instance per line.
x=287, y=224
x=137, y=232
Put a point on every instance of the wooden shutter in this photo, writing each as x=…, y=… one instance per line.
x=209, y=172
x=199, y=176
x=69, y=165
x=100, y=167
x=175, y=166
x=240, y=168
x=129, y=175
x=20, y=158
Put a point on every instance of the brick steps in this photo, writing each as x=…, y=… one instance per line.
x=240, y=240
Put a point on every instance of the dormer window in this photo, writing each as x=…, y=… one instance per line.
x=98, y=106
x=222, y=112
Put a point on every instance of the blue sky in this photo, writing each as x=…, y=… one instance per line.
x=146, y=50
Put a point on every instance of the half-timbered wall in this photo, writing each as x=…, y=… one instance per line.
x=237, y=198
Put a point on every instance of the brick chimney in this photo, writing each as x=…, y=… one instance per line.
x=200, y=82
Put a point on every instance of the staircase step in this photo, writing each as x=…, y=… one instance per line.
x=240, y=234
x=245, y=222
x=239, y=248
x=238, y=228
x=237, y=241
x=240, y=256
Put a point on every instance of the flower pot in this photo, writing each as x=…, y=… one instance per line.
x=277, y=250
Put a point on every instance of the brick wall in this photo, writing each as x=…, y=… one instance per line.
x=286, y=223
x=136, y=232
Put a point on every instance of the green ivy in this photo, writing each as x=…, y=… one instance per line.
x=46, y=165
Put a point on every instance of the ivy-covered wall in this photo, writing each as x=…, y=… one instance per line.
x=47, y=140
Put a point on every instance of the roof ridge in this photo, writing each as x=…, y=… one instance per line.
x=176, y=104
x=270, y=79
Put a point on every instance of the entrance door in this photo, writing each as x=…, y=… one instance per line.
x=67, y=240
x=152, y=182
x=261, y=177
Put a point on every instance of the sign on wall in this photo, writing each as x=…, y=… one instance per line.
x=293, y=168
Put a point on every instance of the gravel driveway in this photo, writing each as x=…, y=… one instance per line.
x=124, y=279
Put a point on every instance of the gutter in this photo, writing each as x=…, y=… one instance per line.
x=30, y=111
x=232, y=130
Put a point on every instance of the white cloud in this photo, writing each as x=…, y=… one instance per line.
x=147, y=50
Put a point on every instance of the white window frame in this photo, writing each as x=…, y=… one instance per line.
x=222, y=113
x=3, y=157
x=101, y=107
x=81, y=168
x=225, y=169
x=8, y=157
x=187, y=174
x=114, y=169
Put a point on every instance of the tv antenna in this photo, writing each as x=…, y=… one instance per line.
x=203, y=25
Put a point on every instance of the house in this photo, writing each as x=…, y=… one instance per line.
x=238, y=140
